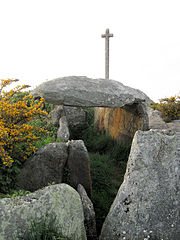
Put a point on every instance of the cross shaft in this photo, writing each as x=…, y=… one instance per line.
x=107, y=35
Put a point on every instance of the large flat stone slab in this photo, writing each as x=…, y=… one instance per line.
x=88, y=92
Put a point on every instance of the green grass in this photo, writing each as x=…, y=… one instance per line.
x=108, y=160
x=46, y=141
x=44, y=229
x=15, y=194
x=106, y=180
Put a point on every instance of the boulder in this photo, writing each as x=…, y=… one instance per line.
x=157, y=122
x=83, y=91
x=89, y=214
x=148, y=201
x=122, y=123
x=79, y=165
x=155, y=119
x=63, y=131
x=46, y=166
x=174, y=125
x=60, y=201
x=76, y=116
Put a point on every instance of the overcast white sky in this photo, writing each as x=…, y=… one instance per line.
x=46, y=39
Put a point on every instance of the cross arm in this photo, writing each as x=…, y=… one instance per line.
x=106, y=35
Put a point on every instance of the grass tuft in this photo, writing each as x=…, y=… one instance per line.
x=44, y=229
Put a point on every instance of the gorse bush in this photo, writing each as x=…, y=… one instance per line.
x=17, y=135
x=49, y=134
x=169, y=108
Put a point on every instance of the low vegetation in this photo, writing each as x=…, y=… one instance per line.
x=169, y=108
x=25, y=127
x=108, y=160
x=44, y=229
x=15, y=193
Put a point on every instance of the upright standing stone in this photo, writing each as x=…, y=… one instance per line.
x=56, y=114
x=89, y=214
x=148, y=201
x=79, y=166
x=63, y=131
x=107, y=35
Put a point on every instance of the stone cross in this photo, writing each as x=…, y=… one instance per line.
x=107, y=35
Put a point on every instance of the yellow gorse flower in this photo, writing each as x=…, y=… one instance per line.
x=169, y=108
x=14, y=121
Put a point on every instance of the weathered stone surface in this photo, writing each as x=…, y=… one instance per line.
x=63, y=131
x=79, y=165
x=56, y=114
x=89, y=214
x=76, y=117
x=174, y=125
x=149, y=198
x=157, y=122
x=61, y=201
x=83, y=91
x=122, y=123
x=46, y=166
x=155, y=119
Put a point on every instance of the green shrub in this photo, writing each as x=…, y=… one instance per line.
x=105, y=144
x=8, y=174
x=169, y=108
x=24, y=126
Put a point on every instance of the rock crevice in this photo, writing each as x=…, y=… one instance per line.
x=48, y=163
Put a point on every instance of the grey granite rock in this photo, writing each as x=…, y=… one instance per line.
x=157, y=122
x=79, y=165
x=56, y=114
x=89, y=214
x=60, y=201
x=76, y=117
x=84, y=91
x=148, y=201
x=46, y=166
x=155, y=119
x=63, y=131
x=174, y=125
